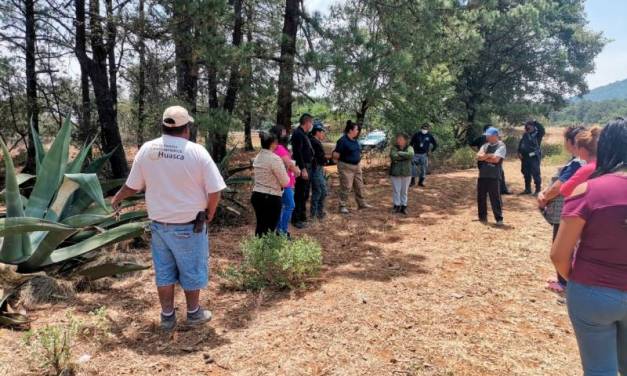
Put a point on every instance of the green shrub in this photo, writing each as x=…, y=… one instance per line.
x=463, y=158
x=549, y=150
x=511, y=143
x=274, y=261
x=51, y=347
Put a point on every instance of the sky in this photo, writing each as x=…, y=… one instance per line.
x=607, y=16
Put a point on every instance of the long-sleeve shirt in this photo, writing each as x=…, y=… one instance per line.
x=529, y=145
x=319, y=155
x=270, y=173
x=421, y=143
x=302, y=151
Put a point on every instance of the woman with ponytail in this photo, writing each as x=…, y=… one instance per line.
x=586, y=150
x=594, y=222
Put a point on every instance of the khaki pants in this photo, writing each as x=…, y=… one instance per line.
x=350, y=179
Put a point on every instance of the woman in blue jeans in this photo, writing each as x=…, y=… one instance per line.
x=292, y=171
x=594, y=222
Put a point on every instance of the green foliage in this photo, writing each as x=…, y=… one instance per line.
x=463, y=158
x=589, y=112
x=511, y=143
x=275, y=261
x=51, y=347
x=39, y=233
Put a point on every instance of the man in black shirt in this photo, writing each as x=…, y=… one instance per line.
x=477, y=143
x=422, y=142
x=489, y=159
x=303, y=154
x=318, y=180
x=530, y=155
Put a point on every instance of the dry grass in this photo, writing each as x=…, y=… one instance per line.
x=433, y=293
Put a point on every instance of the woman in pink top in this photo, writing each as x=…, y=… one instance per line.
x=586, y=149
x=594, y=221
x=292, y=171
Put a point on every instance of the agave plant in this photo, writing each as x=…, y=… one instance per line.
x=65, y=216
x=229, y=202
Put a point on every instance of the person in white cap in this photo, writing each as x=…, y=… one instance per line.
x=182, y=186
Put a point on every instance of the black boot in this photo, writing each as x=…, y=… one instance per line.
x=396, y=208
x=413, y=182
x=421, y=182
x=403, y=210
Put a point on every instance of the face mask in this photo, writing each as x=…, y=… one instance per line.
x=424, y=131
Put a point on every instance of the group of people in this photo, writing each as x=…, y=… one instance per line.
x=182, y=187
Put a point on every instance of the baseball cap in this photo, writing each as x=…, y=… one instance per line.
x=176, y=116
x=492, y=131
x=318, y=126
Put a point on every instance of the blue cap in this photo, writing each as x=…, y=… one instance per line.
x=492, y=131
x=318, y=126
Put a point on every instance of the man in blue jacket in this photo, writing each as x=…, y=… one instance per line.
x=530, y=154
x=422, y=142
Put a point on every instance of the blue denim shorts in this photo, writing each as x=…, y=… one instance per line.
x=180, y=255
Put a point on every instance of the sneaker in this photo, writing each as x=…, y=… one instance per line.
x=199, y=317
x=365, y=206
x=396, y=208
x=500, y=223
x=344, y=210
x=403, y=210
x=483, y=221
x=299, y=225
x=168, y=322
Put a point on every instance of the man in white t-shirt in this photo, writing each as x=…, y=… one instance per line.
x=181, y=183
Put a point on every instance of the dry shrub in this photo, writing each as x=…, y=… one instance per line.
x=42, y=289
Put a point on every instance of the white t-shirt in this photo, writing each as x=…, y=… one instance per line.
x=177, y=176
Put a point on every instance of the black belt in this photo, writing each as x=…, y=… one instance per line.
x=174, y=224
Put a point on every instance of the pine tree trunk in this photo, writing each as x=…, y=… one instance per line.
x=286, y=66
x=141, y=79
x=32, y=110
x=96, y=68
x=186, y=69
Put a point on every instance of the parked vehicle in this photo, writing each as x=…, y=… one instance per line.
x=375, y=140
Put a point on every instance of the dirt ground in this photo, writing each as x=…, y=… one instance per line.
x=433, y=293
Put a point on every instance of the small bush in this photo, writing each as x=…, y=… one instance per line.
x=463, y=158
x=274, y=261
x=511, y=143
x=549, y=150
x=51, y=347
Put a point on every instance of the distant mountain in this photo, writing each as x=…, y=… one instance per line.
x=616, y=90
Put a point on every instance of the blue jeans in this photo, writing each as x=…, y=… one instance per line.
x=599, y=317
x=318, y=192
x=180, y=255
x=286, y=210
x=420, y=166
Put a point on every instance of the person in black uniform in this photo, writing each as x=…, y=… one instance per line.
x=530, y=154
x=477, y=143
x=490, y=157
x=318, y=180
x=303, y=154
x=422, y=142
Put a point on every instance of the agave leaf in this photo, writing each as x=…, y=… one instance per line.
x=76, y=165
x=239, y=180
x=84, y=220
x=91, y=191
x=14, y=247
x=45, y=247
x=24, y=225
x=108, y=185
x=96, y=165
x=90, y=184
x=111, y=269
x=50, y=174
x=126, y=231
x=40, y=153
x=64, y=194
x=124, y=218
x=13, y=319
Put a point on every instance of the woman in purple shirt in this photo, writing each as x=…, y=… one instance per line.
x=595, y=216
